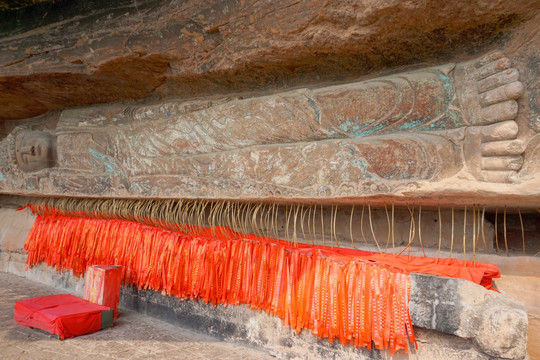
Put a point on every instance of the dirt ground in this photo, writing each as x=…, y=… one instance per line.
x=133, y=336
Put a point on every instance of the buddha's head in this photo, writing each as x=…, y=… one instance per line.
x=35, y=150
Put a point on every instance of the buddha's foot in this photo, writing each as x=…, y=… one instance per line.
x=497, y=86
x=492, y=150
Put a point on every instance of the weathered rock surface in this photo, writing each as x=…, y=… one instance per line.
x=496, y=323
x=64, y=54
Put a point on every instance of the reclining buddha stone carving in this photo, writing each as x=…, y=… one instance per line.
x=424, y=125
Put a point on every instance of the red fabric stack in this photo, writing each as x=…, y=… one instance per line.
x=64, y=315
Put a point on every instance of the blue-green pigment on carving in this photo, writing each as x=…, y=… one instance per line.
x=447, y=119
x=315, y=108
x=108, y=162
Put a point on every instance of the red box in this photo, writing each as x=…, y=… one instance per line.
x=102, y=285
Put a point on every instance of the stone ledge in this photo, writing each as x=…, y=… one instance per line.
x=453, y=319
x=495, y=323
x=257, y=329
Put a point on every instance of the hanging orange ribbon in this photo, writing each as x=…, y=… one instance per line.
x=357, y=297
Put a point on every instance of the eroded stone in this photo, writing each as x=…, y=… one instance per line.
x=495, y=322
x=129, y=50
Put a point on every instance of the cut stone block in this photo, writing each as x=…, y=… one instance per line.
x=496, y=323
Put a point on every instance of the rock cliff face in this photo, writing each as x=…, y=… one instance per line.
x=58, y=54
x=430, y=103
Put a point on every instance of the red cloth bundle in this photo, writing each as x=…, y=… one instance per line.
x=64, y=315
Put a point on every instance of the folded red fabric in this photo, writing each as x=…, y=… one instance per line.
x=64, y=315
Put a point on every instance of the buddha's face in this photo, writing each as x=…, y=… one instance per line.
x=35, y=150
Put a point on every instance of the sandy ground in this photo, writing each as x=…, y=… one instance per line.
x=133, y=336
